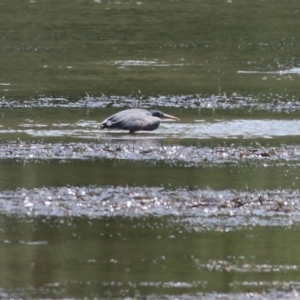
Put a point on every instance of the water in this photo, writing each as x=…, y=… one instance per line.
x=136, y=257
x=123, y=47
x=207, y=207
x=84, y=124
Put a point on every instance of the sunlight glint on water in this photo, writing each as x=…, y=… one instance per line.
x=204, y=208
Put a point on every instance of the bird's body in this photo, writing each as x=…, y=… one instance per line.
x=135, y=119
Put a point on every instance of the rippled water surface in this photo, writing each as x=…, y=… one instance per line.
x=120, y=257
x=203, y=208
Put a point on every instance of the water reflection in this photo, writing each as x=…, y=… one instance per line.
x=280, y=72
x=205, y=124
x=141, y=257
x=198, y=130
x=199, y=210
x=183, y=215
x=37, y=173
x=143, y=63
x=124, y=55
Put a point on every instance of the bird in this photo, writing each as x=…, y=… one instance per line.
x=136, y=119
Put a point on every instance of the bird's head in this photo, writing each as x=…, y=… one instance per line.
x=161, y=115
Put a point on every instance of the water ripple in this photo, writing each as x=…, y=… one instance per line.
x=268, y=102
x=198, y=209
x=147, y=151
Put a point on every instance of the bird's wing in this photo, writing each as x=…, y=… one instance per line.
x=124, y=117
x=141, y=122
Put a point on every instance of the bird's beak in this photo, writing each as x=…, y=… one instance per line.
x=165, y=116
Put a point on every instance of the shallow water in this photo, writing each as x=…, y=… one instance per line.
x=123, y=47
x=143, y=257
x=207, y=207
x=198, y=210
x=56, y=124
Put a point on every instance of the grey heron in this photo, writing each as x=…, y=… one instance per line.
x=136, y=119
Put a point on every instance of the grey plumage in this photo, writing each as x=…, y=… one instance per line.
x=136, y=119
